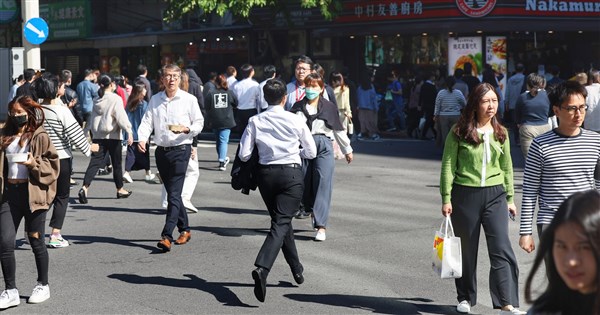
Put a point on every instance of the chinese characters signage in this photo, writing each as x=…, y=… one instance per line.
x=67, y=19
x=495, y=56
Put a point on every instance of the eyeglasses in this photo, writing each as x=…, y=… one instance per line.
x=572, y=109
x=300, y=69
x=172, y=76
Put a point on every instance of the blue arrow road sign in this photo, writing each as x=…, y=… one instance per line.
x=36, y=31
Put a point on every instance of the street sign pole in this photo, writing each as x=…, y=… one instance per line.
x=31, y=9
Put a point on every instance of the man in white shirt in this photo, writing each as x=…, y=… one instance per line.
x=295, y=90
x=592, y=117
x=175, y=118
x=269, y=72
x=282, y=140
x=246, y=91
x=231, y=73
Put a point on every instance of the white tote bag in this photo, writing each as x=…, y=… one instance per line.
x=446, y=255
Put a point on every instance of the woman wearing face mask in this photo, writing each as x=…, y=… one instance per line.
x=29, y=181
x=108, y=121
x=572, y=241
x=323, y=120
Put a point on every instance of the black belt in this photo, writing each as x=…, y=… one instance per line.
x=291, y=165
x=180, y=147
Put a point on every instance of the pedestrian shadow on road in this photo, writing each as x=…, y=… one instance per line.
x=234, y=210
x=380, y=305
x=220, y=290
x=154, y=211
x=90, y=239
x=239, y=232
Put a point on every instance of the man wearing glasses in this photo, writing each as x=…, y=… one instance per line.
x=295, y=89
x=175, y=118
x=560, y=162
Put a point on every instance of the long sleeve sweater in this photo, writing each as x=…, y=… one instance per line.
x=485, y=165
x=557, y=167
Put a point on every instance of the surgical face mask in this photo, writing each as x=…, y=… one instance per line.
x=311, y=94
x=19, y=120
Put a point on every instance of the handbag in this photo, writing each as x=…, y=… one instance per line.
x=446, y=255
x=388, y=96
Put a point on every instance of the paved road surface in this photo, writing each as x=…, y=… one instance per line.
x=376, y=259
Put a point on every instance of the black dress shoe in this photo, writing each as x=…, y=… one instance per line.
x=302, y=214
x=260, y=283
x=120, y=195
x=299, y=278
x=82, y=196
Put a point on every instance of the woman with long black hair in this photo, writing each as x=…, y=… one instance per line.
x=476, y=185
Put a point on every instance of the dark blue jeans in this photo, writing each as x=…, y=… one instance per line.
x=172, y=162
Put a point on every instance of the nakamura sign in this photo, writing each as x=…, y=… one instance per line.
x=438, y=10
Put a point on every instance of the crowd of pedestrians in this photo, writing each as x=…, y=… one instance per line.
x=298, y=130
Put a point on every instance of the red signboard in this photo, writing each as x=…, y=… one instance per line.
x=399, y=10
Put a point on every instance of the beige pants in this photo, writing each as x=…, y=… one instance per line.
x=528, y=132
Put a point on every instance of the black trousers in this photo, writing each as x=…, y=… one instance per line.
x=281, y=189
x=63, y=187
x=241, y=118
x=473, y=207
x=172, y=162
x=113, y=147
x=13, y=209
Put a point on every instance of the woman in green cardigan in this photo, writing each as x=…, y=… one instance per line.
x=476, y=185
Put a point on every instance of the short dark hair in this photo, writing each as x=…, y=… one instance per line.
x=560, y=93
x=245, y=70
x=28, y=74
x=458, y=73
x=141, y=69
x=65, y=76
x=88, y=72
x=520, y=67
x=212, y=76
x=275, y=90
x=304, y=59
x=269, y=71
x=46, y=86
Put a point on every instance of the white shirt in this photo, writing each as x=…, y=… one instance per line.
x=231, y=81
x=182, y=109
x=319, y=127
x=12, y=92
x=592, y=116
x=247, y=93
x=261, y=103
x=278, y=135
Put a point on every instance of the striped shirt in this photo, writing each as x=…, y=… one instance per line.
x=449, y=103
x=556, y=167
x=63, y=130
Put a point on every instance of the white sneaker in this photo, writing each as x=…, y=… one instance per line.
x=40, y=294
x=226, y=161
x=9, y=298
x=463, y=307
x=127, y=178
x=150, y=177
x=513, y=311
x=320, y=236
x=58, y=242
x=188, y=205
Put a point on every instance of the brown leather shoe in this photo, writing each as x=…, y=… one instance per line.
x=183, y=238
x=164, y=244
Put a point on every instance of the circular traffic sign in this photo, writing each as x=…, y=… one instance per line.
x=36, y=31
